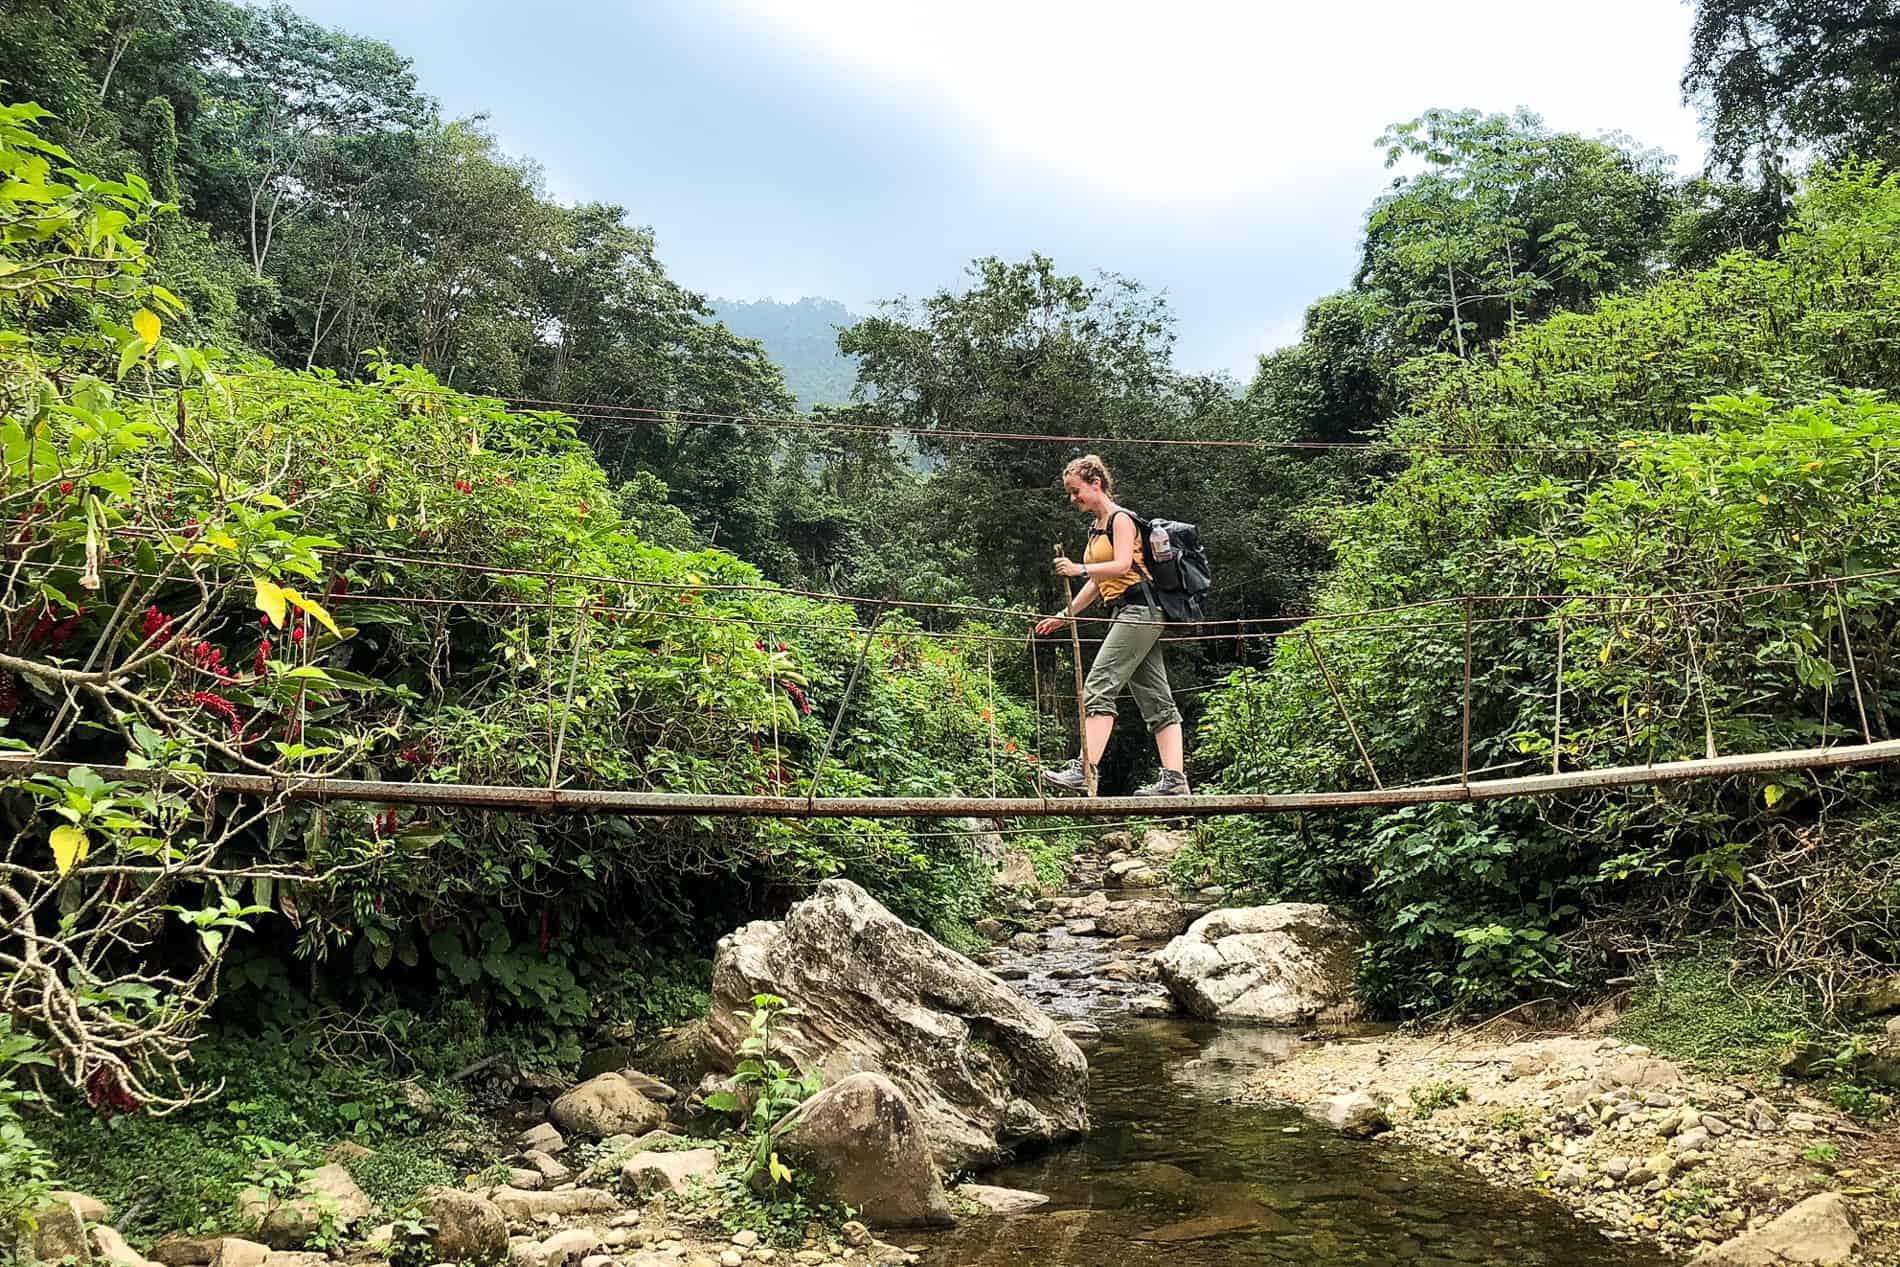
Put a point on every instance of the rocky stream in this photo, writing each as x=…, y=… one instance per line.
x=1124, y=1079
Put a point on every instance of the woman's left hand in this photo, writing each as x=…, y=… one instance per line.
x=1069, y=567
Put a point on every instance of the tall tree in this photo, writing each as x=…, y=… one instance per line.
x=1772, y=77
x=284, y=91
x=1503, y=221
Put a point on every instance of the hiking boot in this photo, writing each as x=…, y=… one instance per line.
x=1070, y=776
x=1171, y=783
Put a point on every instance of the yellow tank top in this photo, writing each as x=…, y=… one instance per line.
x=1101, y=549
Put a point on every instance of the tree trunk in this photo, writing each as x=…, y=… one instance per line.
x=1457, y=320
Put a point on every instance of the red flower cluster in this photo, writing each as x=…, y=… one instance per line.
x=66, y=488
x=340, y=585
x=207, y=657
x=384, y=824
x=106, y=1095
x=156, y=621
x=223, y=707
x=263, y=655
x=798, y=698
x=464, y=486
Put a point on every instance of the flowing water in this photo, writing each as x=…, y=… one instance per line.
x=1174, y=1172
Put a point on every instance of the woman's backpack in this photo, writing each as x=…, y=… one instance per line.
x=1180, y=577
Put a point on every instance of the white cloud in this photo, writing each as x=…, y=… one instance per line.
x=1205, y=107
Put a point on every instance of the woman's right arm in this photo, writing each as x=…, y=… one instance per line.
x=1084, y=597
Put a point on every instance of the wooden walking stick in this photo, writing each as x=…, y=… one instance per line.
x=1081, y=713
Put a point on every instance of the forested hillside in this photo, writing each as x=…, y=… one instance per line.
x=801, y=339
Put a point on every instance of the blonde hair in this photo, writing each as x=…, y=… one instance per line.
x=1090, y=469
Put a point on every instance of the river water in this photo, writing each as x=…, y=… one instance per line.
x=1175, y=1172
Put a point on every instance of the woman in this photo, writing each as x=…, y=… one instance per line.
x=1130, y=657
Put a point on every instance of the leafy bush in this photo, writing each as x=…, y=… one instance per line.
x=25, y=1167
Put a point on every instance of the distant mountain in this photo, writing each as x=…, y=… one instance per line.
x=801, y=339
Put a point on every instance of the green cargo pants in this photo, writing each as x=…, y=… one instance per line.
x=1130, y=659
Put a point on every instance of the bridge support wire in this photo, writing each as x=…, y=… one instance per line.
x=668, y=804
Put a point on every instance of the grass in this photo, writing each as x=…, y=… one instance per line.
x=1707, y=1012
x=183, y=1172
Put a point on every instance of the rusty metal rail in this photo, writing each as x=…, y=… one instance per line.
x=668, y=804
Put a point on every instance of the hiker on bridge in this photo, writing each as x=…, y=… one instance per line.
x=1114, y=569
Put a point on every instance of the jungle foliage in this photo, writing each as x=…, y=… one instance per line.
x=1723, y=433
x=216, y=564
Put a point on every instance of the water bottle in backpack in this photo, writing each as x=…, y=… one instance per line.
x=1159, y=550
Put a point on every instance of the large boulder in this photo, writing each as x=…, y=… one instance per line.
x=59, y=1233
x=1820, y=1230
x=608, y=1104
x=1151, y=918
x=1017, y=871
x=869, y=1151
x=981, y=1066
x=1274, y=965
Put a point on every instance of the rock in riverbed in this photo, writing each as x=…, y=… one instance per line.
x=1283, y=964
x=981, y=1067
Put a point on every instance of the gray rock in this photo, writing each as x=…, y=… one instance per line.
x=649, y=1173
x=1355, y=1115
x=870, y=1150
x=544, y=1138
x=1281, y=965
x=548, y=1168
x=606, y=1105
x=326, y=1192
x=526, y=1207
x=1082, y=928
x=1018, y=873
x=1165, y=844
x=1821, y=1229
x=1570, y=1176
x=1025, y=943
x=877, y=995
x=469, y=1228
x=571, y=1246
x=1001, y=1200
x=60, y=1233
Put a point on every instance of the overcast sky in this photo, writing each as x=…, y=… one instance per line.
x=1221, y=153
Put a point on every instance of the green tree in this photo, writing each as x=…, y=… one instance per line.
x=281, y=92
x=1505, y=222
x=1775, y=77
x=1027, y=350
